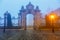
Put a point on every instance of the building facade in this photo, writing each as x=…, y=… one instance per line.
x=54, y=21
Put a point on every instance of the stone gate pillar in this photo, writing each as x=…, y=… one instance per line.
x=22, y=18
x=37, y=18
x=23, y=21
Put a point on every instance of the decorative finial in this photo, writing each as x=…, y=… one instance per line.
x=30, y=6
x=29, y=2
x=22, y=7
x=37, y=7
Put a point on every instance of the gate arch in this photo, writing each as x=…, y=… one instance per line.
x=29, y=21
x=29, y=10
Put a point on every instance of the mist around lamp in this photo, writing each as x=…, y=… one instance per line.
x=52, y=16
x=52, y=19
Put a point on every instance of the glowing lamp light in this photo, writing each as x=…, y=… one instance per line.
x=52, y=16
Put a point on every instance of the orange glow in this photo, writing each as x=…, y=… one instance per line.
x=52, y=16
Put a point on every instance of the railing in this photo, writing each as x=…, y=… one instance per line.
x=14, y=21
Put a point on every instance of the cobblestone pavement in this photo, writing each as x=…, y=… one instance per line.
x=29, y=35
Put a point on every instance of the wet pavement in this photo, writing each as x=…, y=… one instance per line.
x=14, y=34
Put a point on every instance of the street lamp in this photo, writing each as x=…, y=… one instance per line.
x=52, y=17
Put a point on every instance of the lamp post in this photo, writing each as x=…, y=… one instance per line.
x=52, y=22
x=5, y=21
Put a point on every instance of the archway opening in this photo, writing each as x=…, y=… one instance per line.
x=29, y=21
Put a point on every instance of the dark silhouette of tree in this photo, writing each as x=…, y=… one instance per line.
x=7, y=20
